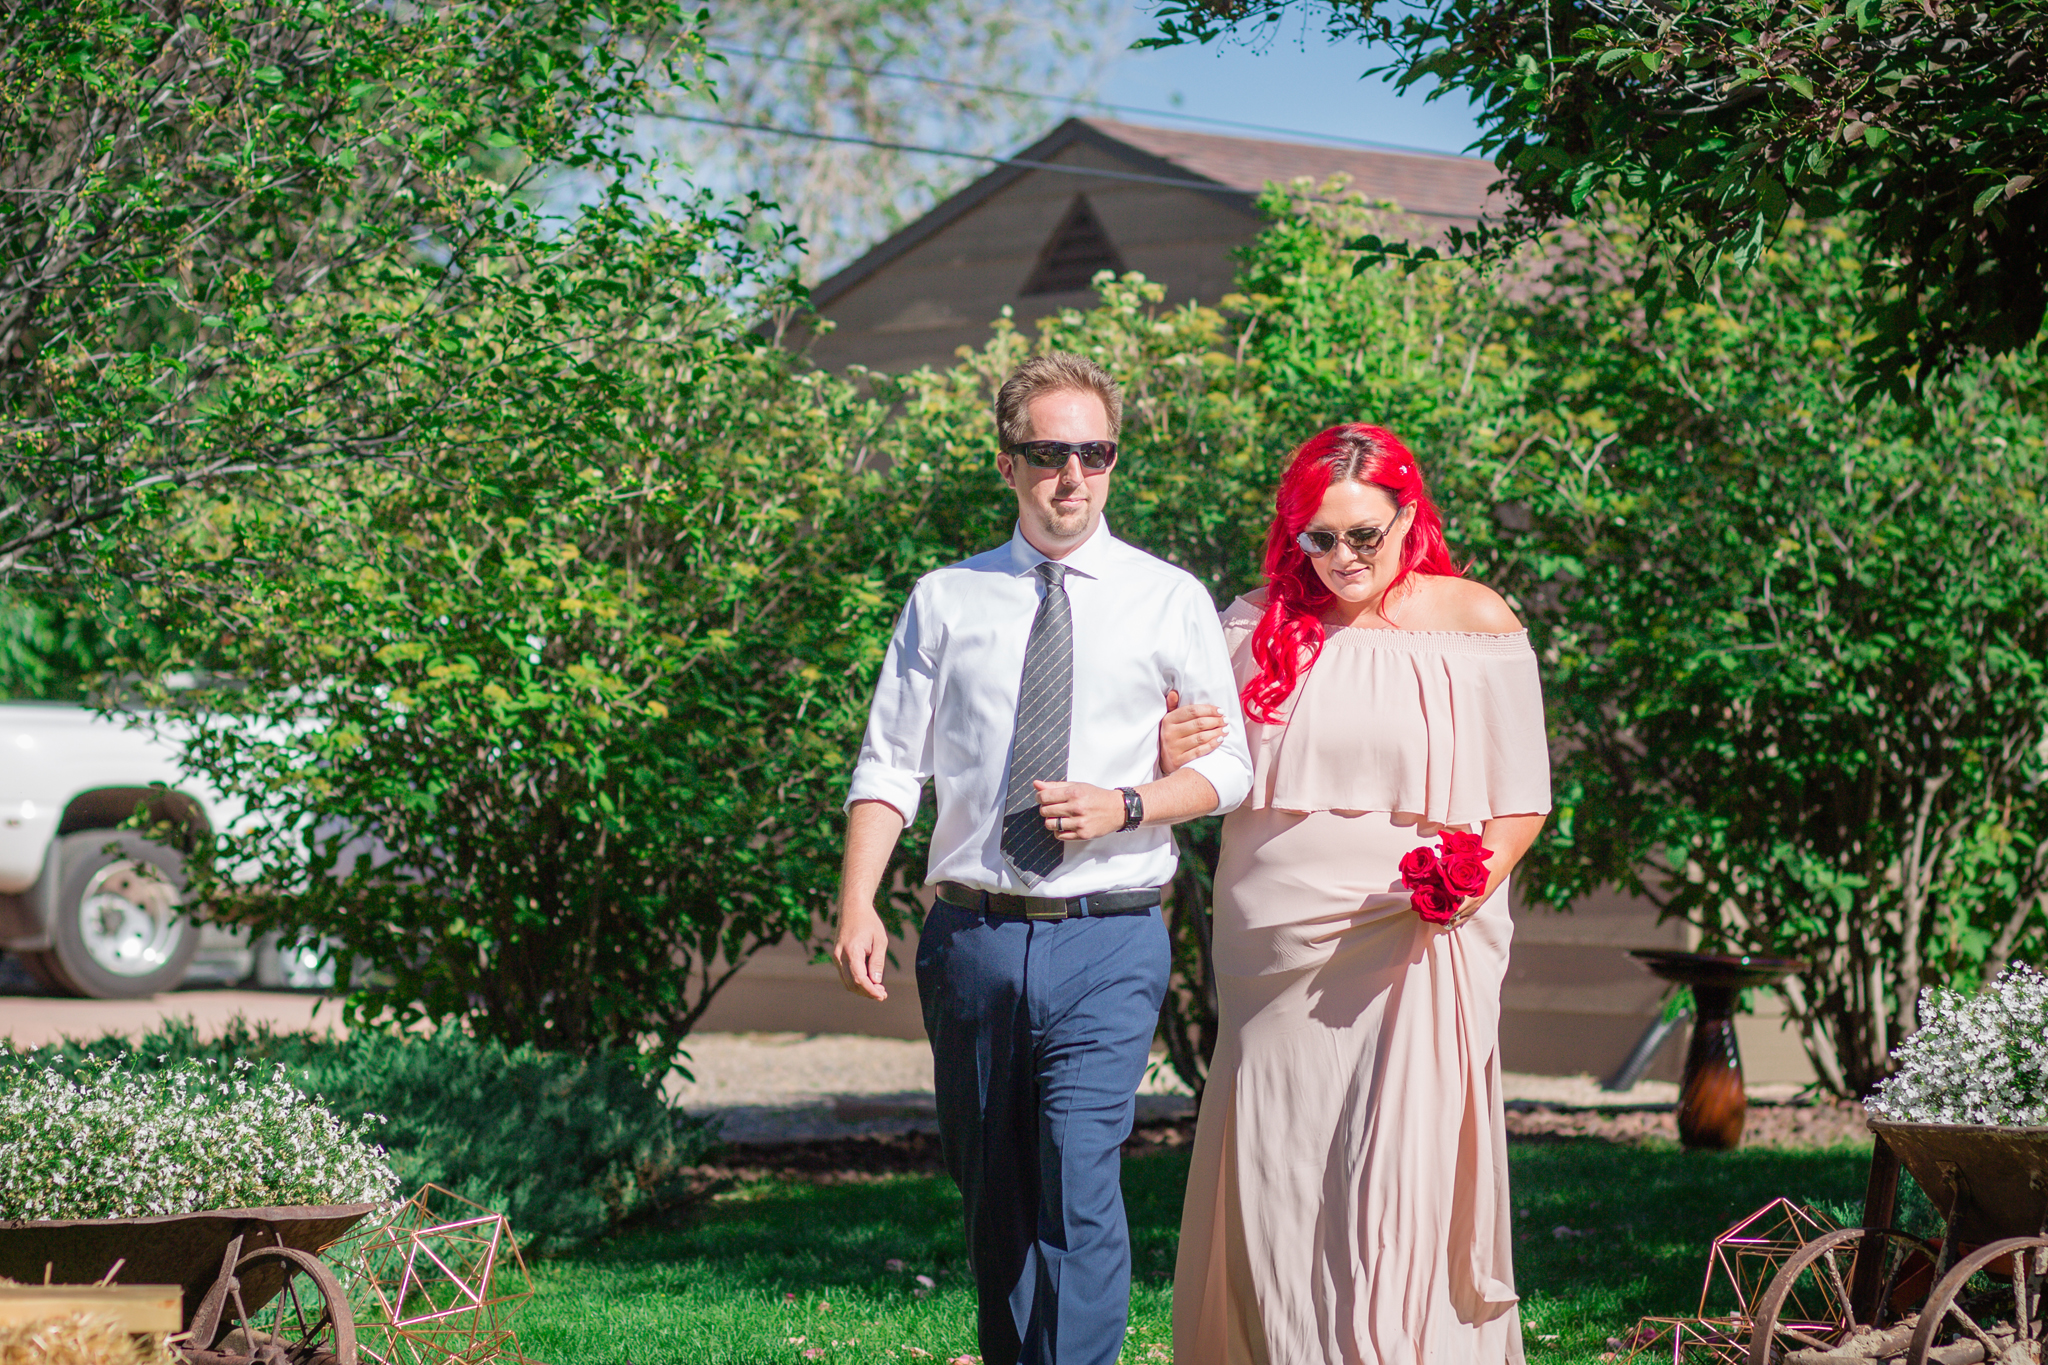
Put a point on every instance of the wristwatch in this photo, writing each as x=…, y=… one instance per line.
x=1134, y=808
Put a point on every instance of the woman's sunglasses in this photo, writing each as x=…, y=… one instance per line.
x=1096, y=456
x=1363, y=540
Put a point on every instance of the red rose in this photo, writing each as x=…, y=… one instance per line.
x=1433, y=902
x=1462, y=864
x=1460, y=841
x=1418, y=865
x=1464, y=872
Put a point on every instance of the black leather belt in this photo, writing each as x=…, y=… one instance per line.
x=1005, y=906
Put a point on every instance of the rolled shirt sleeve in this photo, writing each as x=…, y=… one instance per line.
x=896, y=753
x=1208, y=678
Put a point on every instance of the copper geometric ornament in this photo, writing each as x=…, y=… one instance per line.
x=1747, y=1256
x=1684, y=1341
x=1742, y=1262
x=437, y=1283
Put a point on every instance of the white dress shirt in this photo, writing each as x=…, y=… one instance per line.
x=946, y=705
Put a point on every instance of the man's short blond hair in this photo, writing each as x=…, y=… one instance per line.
x=1052, y=373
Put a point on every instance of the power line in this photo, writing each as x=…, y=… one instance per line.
x=884, y=73
x=1211, y=186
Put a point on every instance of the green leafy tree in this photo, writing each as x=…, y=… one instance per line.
x=1796, y=650
x=48, y=648
x=870, y=79
x=549, y=738
x=508, y=552
x=1713, y=121
x=225, y=228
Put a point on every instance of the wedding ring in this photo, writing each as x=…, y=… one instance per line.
x=1059, y=823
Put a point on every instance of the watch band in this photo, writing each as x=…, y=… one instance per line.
x=1134, y=808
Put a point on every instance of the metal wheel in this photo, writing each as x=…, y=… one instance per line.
x=1806, y=1306
x=303, y=1317
x=1999, y=1316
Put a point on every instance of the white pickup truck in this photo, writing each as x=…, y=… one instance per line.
x=91, y=909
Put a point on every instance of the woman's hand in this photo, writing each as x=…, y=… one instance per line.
x=1077, y=810
x=1465, y=912
x=1188, y=732
x=1509, y=837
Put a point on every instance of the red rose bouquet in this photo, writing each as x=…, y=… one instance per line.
x=1439, y=879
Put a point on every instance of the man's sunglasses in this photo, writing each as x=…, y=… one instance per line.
x=1363, y=540
x=1096, y=456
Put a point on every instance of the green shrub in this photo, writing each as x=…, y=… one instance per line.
x=566, y=1147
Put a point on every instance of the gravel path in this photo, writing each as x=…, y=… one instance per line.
x=789, y=1087
x=784, y=1087
x=794, y=1087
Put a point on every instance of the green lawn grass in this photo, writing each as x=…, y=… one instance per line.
x=752, y=1270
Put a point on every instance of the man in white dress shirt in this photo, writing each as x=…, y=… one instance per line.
x=1028, y=683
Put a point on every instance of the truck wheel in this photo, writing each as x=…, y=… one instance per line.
x=118, y=932
x=279, y=968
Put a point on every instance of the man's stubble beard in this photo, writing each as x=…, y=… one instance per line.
x=1062, y=525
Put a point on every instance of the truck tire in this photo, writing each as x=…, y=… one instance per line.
x=118, y=932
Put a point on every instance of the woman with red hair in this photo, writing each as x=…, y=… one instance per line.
x=1348, y=1199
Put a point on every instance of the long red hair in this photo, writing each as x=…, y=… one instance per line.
x=1289, y=637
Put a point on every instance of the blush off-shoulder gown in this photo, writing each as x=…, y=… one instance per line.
x=1348, y=1200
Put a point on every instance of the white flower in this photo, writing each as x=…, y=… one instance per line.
x=112, y=1144
x=1977, y=1058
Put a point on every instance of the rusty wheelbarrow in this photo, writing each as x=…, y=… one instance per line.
x=1877, y=1293
x=256, y=1290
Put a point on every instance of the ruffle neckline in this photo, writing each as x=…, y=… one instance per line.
x=1443, y=726
x=1246, y=612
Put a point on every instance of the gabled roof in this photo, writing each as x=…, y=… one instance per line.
x=1232, y=169
x=1432, y=186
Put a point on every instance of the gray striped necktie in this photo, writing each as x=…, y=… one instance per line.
x=1045, y=706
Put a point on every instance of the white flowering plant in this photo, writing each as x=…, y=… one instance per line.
x=1979, y=1058
x=106, y=1142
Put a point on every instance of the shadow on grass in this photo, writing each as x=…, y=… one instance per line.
x=1604, y=1234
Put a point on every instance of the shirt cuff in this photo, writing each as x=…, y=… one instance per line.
x=1228, y=774
x=874, y=781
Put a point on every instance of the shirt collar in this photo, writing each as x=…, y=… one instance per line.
x=1089, y=558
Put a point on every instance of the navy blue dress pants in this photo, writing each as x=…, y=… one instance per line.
x=1040, y=1032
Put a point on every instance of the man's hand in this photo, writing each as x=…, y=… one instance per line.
x=1187, y=733
x=862, y=950
x=1075, y=810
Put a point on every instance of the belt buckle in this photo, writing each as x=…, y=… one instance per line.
x=1060, y=913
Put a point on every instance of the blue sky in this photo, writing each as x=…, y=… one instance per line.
x=1299, y=82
